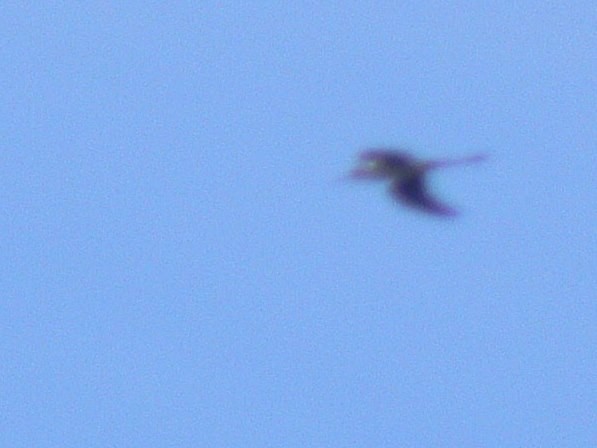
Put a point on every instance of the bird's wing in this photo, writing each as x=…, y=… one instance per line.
x=413, y=192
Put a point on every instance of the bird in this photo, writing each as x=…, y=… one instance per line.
x=407, y=176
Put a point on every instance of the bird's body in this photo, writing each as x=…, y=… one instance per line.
x=406, y=175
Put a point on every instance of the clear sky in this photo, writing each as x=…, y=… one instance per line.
x=181, y=265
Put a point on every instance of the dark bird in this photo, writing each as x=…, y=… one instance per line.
x=407, y=176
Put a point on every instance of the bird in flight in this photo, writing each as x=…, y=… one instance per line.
x=407, y=176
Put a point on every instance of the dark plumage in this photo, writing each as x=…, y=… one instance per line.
x=406, y=175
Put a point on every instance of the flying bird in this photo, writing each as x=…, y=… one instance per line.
x=407, y=176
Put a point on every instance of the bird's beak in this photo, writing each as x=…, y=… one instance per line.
x=358, y=173
x=355, y=174
x=366, y=169
x=362, y=173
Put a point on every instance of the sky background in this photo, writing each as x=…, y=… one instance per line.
x=181, y=265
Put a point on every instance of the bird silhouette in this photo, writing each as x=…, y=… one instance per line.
x=407, y=176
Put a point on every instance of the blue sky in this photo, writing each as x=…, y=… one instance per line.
x=182, y=267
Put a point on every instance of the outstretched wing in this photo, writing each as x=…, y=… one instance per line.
x=413, y=192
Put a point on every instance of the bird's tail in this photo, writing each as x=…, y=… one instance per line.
x=432, y=164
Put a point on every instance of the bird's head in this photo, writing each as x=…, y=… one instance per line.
x=383, y=164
